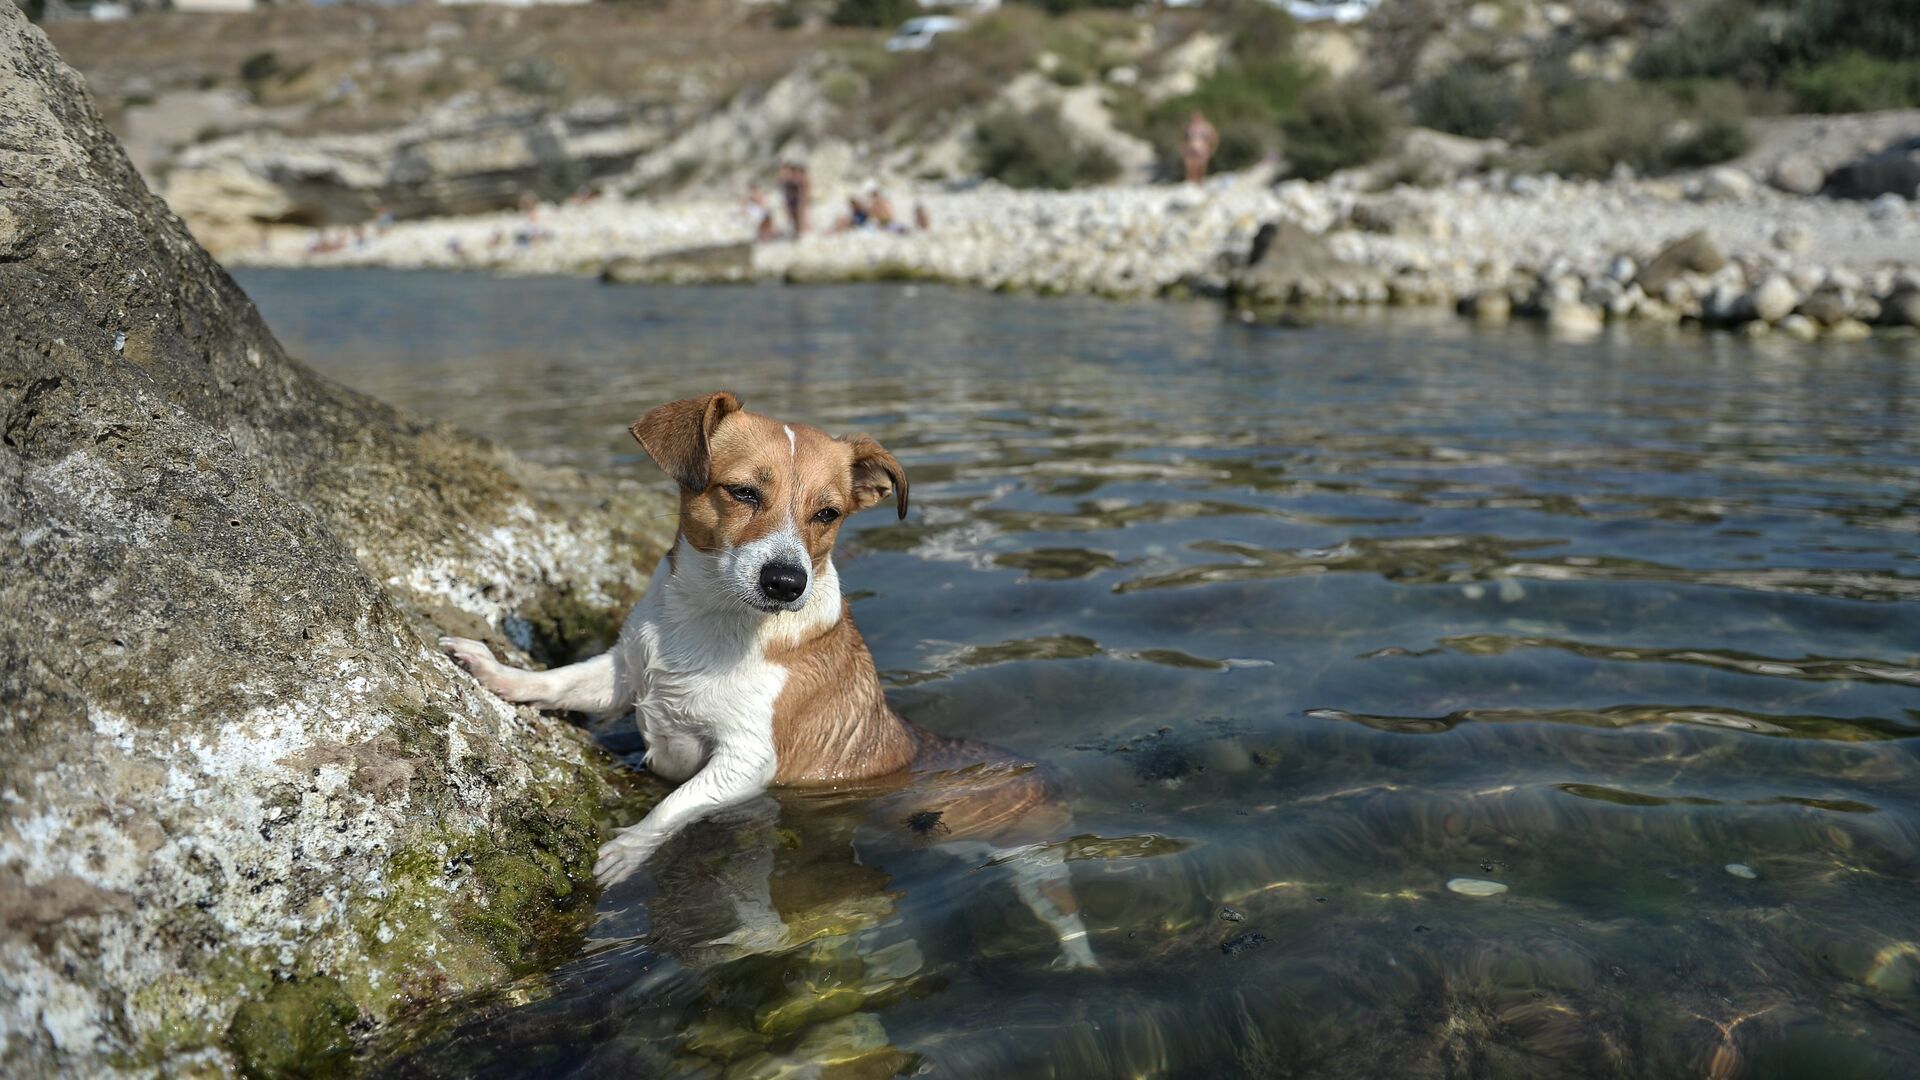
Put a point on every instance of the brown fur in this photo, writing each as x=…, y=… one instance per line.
x=832, y=726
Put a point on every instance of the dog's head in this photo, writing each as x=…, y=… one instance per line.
x=763, y=498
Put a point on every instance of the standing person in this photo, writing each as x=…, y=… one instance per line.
x=1198, y=141
x=758, y=212
x=796, y=189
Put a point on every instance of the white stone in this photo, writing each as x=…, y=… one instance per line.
x=1467, y=886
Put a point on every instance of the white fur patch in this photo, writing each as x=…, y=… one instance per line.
x=793, y=444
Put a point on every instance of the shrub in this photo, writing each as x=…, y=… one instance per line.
x=260, y=67
x=1833, y=54
x=1649, y=127
x=872, y=12
x=1856, y=82
x=1038, y=150
x=1339, y=125
x=1477, y=104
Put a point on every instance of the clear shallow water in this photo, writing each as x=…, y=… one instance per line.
x=1315, y=621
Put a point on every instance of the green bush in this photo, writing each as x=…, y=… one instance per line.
x=1832, y=55
x=1038, y=150
x=1339, y=125
x=1477, y=104
x=1856, y=82
x=888, y=13
x=1588, y=128
x=260, y=67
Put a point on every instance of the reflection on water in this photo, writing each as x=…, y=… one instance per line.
x=1315, y=621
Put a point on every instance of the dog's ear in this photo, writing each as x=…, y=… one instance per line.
x=876, y=474
x=675, y=436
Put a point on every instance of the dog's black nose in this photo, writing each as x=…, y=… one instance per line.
x=783, y=581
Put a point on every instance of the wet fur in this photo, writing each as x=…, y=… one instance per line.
x=736, y=692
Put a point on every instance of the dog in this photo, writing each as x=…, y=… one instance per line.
x=745, y=671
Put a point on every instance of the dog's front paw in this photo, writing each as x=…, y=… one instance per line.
x=478, y=660
x=620, y=858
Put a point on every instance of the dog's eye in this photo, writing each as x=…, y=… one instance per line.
x=750, y=496
x=827, y=516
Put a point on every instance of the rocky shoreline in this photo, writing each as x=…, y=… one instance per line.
x=1718, y=249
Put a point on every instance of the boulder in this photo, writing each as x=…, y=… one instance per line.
x=1572, y=319
x=248, y=803
x=1489, y=306
x=1797, y=174
x=1771, y=300
x=1724, y=183
x=1902, y=308
x=1693, y=253
x=1287, y=264
x=1893, y=171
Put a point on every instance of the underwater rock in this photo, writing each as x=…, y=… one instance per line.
x=1240, y=943
x=1741, y=870
x=1475, y=887
x=234, y=762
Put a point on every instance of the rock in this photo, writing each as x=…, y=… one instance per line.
x=1741, y=870
x=1827, y=305
x=1771, y=300
x=1793, y=239
x=1893, y=171
x=1622, y=269
x=1725, y=304
x=1246, y=942
x=1694, y=253
x=717, y=263
x=1902, y=308
x=1849, y=330
x=1490, y=306
x=1723, y=183
x=1232, y=914
x=234, y=761
x=1475, y=887
x=1800, y=328
x=1887, y=207
x=1398, y=216
x=1797, y=174
x=1287, y=264
x=1570, y=318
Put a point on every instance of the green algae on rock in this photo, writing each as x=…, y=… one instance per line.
x=249, y=806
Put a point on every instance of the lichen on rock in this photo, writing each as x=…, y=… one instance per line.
x=241, y=793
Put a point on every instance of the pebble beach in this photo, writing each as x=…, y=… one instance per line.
x=1576, y=253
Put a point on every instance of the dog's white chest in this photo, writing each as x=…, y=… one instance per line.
x=713, y=689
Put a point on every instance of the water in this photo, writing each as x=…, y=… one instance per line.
x=1316, y=621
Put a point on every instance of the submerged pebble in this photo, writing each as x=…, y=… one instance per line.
x=1741, y=870
x=1228, y=914
x=1467, y=886
x=1250, y=940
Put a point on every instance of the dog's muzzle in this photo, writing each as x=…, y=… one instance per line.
x=783, y=582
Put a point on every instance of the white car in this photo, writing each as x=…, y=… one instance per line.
x=915, y=35
x=1344, y=12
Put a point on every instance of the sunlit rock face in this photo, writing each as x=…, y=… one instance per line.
x=243, y=803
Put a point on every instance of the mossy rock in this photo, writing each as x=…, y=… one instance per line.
x=299, y=1029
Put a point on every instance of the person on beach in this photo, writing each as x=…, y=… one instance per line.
x=858, y=216
x=759, y=212
x=921, y=219
x=881, y=209
x=1198, y=140
x=796, y=188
